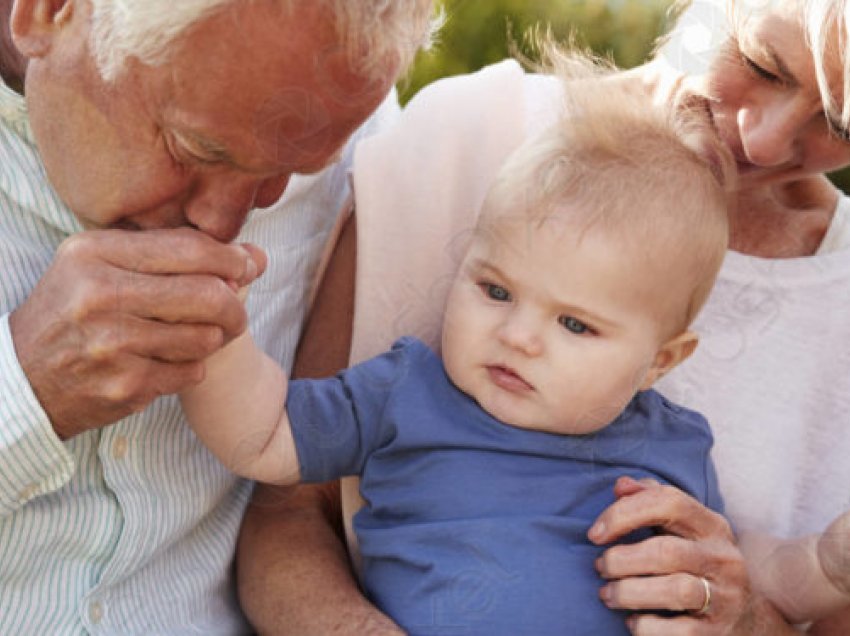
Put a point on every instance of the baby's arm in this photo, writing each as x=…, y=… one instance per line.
x=238, y=412
x=807, y=578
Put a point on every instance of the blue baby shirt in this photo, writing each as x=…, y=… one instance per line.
x=474, y=527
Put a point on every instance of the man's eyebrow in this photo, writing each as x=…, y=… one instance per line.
x=208, y=149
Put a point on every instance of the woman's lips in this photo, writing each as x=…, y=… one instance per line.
x=730, y=140
x=507, y=379
x=745, y=167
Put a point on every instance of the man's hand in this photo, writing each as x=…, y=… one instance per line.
x=123, y=317
x=293, y=573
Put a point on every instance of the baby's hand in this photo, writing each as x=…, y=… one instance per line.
x=255, y=264
x=834, y=553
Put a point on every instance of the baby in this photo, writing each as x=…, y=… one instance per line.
x=483, y=470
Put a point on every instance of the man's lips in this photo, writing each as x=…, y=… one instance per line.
x=507, y=379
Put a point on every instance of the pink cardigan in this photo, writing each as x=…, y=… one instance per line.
x=418, y=190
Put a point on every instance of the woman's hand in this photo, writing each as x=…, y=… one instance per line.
x=666, y=571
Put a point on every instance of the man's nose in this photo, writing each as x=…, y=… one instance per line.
x=771, y=132
x=219, y=203
x=270, y=191
x=521, y=331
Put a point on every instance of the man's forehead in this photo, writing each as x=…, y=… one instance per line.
x=291, y=109
x=295, y=122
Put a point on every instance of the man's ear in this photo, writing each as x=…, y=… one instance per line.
x=34, y=23
x=670, y=354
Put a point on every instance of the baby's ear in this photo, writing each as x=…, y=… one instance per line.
x=670, y=354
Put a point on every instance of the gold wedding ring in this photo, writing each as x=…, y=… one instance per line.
x=706, y=604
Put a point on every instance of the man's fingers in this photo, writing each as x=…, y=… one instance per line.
x=121, y=317
x=661, y=506
x=123, y=386
x=153, y=339
x=174, y=251
x=142, y=380
x=681, y=591
x=662, y=554
x=181, y=343
x=176, y=299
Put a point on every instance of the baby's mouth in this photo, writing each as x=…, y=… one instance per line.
x=506, y=378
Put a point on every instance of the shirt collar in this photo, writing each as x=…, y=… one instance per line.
x=13, y=111
x=13, y=116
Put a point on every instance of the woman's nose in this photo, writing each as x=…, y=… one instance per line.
x=771, y=133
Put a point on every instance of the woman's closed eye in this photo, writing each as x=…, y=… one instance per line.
x=495, y=292
x=760, y=71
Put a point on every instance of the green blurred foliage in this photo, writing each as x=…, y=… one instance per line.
x=841, y=179
x=481, y=32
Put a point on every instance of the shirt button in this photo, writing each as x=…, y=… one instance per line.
x=95, y=612
x=28, y=492
x=119, y=447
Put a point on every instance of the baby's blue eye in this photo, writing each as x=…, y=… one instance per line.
x=573, y=325
x=497, y=292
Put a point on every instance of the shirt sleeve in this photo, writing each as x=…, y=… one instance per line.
x=693, y=469
x=662, y=440
x=713, y=498
x=338, y=422
x=33, y=460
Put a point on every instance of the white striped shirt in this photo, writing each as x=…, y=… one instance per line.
x=129, y=529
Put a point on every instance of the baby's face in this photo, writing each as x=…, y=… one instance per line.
x=550, y=330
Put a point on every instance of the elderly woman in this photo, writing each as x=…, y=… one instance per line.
x=772, y=374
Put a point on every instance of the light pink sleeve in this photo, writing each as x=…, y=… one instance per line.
x=418, y=189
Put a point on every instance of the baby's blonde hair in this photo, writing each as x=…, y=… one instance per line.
x=616, y=162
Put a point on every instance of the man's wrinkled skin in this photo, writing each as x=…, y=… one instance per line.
x=186, y=148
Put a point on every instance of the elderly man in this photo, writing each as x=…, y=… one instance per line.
x=150, y=130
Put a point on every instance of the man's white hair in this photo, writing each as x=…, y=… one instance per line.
x=371, y=30
x=704, y=25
